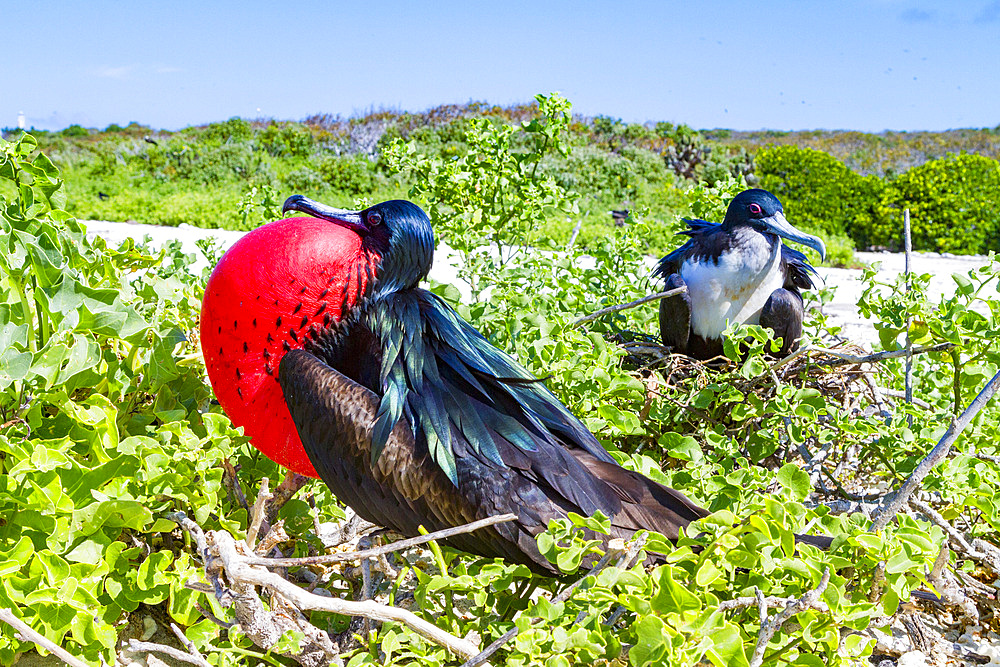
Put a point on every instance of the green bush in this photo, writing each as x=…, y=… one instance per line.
x=353, y=175
x=286, y=139
x=233, y=130
x=820, y=194
x=954, y=206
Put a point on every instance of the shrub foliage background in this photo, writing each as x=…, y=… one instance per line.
x=108, y=423
x=846, y=185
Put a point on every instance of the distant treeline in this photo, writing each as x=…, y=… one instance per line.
x=849, y=186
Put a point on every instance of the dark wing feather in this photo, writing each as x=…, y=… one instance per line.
x=797, y=269
x=440, y=358
x=704, y=238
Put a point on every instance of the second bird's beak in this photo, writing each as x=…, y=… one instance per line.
x=343, y=217
x=779, y=225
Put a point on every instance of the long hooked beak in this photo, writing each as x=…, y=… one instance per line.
x=778, y=224
x=350, y=219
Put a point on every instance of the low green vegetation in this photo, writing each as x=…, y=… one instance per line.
x=850, y=187
x=108, y=427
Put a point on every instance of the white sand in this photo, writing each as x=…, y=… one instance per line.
x=842, y=311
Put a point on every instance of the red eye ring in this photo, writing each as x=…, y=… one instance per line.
x=374, y=219
x=755, y=209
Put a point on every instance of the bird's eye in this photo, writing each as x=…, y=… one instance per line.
x=374, y=219
x=755, y=209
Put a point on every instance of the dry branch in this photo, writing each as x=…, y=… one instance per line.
x=384, y=549
x=136, y=646
x=894, y=502
x=237, y=570
x=840, y=358
x=770, y=625
x=27, y=634
x=626, y=306
x=222, y=557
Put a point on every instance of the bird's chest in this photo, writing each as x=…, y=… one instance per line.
x=732, y=289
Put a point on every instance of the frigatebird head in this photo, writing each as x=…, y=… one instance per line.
x=398, y=231
x=762, y=211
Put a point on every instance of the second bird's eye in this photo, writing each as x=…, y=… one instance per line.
x=755, y=209
x=374, y=219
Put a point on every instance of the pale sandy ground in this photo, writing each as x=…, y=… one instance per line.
x=842, y=311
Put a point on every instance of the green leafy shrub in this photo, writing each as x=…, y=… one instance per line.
x=352, y=175
x=234, y=130
x=286, y=139
x=820, y=194
x=954, y=206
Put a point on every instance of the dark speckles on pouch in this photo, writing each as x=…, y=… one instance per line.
x=268, y=369
x=240, y=392
x=236, y=324
x=295, y=336
x=319, y=310
x=220, y=352
x=220, y=329
x=322, y=295
x=285, y=345
x=277, y=323
x=255, y=321
x=327, y=319
x=238, y=375
x=302, y=291
x=246, y=348
x=302, y=324
x=329, y=280
x=276, y=302
x=267, y=355
x=297, y=308
x=270, y=338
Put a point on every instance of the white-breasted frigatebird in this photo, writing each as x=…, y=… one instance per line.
x=405, y=411
x=738, y=271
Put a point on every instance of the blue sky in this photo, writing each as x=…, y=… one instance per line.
x=792, y=64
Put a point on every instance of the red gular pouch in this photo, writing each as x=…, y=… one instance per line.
x=270, y=293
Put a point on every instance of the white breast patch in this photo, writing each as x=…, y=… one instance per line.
x=734, y=290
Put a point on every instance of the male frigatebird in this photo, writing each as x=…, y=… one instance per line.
x=738, y=271
x=317, y=336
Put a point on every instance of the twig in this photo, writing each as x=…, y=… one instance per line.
x=136, y=646
x=841, y=358
x=616, y=548
x=238, y=570
x=8, y=617
x=576, y=232
x=288, y=487
x=977, y=550
x=257, y=513
x=772, y=601
x=908, y=375
x=895, y=393
x=384, y=549
x=894, y=502
x=770, y=625
x=189, y=645
x=625, y=306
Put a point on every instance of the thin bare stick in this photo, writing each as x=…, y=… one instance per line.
x=257, y=514
x=895, y=501
x=136, y=646
x=8, y=617
x=189, y=645
x=385, y=548
x=616, y=549
x=625, y=306
x=771, y=601
x=908, y=376
x=576, y=232
x=841, y=358
x=237, y=569
x=769, y=626
x=895, y=393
